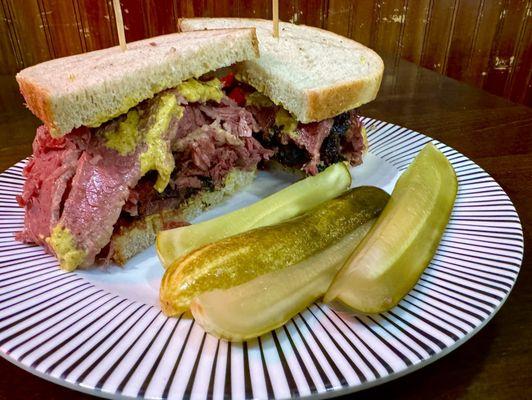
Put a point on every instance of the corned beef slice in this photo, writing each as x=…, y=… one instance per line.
x=102, y=183
x=191, y=120
x=145, y=200
x=353, y=146
x=210, y=153
x=77, y=183
x=265, y=117
x=99, y=191
x=236, y=120
x=345, y=130
x=48, y=175
x=310, y=137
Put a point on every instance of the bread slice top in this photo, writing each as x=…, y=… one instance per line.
x=91, y=88
x=313, y=73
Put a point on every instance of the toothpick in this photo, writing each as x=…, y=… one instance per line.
x=275, y=18
x=120, y=25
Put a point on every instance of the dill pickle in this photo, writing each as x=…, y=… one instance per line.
x=294, y=200
x=270, y=300
x=243, y=257
x=396, y=251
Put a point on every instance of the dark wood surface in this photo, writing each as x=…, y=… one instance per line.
x=484, y=43
x=496, y=134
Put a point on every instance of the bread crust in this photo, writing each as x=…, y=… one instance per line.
x=37, y=100
x=328, y=102
x=140, y=234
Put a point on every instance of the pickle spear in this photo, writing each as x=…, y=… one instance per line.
x=287, y=203
x=392, y=257
x=243, y=257
x=270, y=300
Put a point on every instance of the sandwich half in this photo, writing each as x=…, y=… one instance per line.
x=138, y=141
x=315, y=80
x=103, y=178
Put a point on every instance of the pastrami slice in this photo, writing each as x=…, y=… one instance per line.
x=48, y=175
x=103, y=180
x=99, y=191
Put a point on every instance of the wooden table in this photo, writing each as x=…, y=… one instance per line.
x=496, y=134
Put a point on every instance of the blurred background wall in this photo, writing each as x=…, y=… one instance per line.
x=486, y=43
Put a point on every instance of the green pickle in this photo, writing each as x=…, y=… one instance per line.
x=392, y=257
x=239, y=259
x=287, y=203
x=270, y=300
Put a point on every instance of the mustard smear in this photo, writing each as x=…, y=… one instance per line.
x=286, y=121
x=258, y=99
x=63, y=243
x=127, y=103
x=158, y=155
x=197, y=91
x=126, y=137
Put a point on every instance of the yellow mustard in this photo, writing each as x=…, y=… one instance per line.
x=286, y=121
x=127, y=103
x=158, y=155
x=127, y=136
x=197, y=91
x=258, y=99
x=64, y=246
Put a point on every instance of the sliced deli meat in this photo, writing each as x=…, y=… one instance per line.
x=99, y=191
x=48, y=175
x=84, y=187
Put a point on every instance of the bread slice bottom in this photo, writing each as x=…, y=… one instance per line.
x=130, y=240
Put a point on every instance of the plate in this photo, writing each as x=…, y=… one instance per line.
x=101, y=331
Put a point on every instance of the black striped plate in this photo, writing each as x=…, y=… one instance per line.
x=101, y=331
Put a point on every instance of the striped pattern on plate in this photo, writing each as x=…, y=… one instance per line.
x=63, y=328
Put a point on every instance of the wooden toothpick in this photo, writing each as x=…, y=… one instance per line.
x=275, y=18
x=120, y=25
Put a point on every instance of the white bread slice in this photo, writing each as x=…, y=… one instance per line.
x=91, y=88
x=313, y=73
x=131, y=240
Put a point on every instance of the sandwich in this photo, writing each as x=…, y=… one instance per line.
x=138, y=141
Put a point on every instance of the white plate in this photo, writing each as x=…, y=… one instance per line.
x=101, y=331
